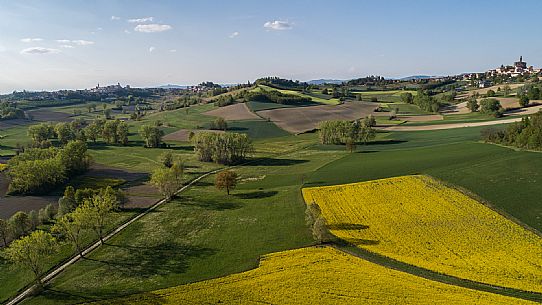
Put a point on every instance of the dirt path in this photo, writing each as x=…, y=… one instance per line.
x=448, y=126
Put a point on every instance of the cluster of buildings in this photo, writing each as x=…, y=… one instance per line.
x=519, y=68
x=109, y=89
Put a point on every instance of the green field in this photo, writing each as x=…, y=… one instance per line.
x=257, y=129
x=315, y=98
x=387, y=96
x=259, y=106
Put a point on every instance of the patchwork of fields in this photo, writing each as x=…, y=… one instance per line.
x=317, y=275
x=419, y=221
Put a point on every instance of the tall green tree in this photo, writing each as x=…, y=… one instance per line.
x=32, y=251
x=96, y=211
x=152, y=135
x=167, y=180
x=5, y=231
x=20, y=224
x=71, y=226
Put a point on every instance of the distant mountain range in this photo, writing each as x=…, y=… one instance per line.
x=325, y=81
x=170, y=86
x=416, y=77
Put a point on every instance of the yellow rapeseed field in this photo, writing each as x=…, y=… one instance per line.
x=417, y=220
x=318, y=275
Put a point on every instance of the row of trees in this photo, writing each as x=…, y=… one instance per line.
x=223, y=148
x=21, y=223
x=525, y=134
x=93, y=216
x=347, y=132
x=111, y=131
x=274, y=96
x=38, y=170
x=152, y=135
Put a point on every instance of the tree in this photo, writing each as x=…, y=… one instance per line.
x=47, y=213
x=226, y=180
x=109, y=132
x=221, y=124
x=107, y=113
x=407, y=98
x=93, y=130
x=523, y=100
x=75, y=158
x=506, y=90
x=31, y=251
x=40, y=133
x=472, y=104
x=96, y=211
x=152, y=135
x=20, y=223
x=168, y=180
x=64, y=133
x=167, y=159
x=67, y=203
x=33, y=220
x=350, y=145
x=490, y=93
x=71, y=226
x=491, y=106
x=122, y=133
x=314, y=218
x=5, y=231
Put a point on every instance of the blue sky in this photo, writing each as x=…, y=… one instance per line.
x=76, y=44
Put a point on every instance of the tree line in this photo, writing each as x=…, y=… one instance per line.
x=31, y=248
x=223, y=148
x=347, y=132
x=38, y=170
x=525, y=134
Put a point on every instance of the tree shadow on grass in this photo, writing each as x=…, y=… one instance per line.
x=275, y=162
x=210, y=204
x=203, y=183
x=142, y=262
x=256, y=195
x=385, y=142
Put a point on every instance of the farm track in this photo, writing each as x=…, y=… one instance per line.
x=435, y=276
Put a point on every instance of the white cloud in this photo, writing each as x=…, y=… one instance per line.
x=2, y=49
x=115, y=18
x=67, y=46
x=234, y=34
x=278, y=25
x=81, y=42
x=152, y=28
x=27, y=40
x=172, y=50
x=39, y=50
x=141, y=20
x=127, y=32
x=151, y=49
x=77, y=42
